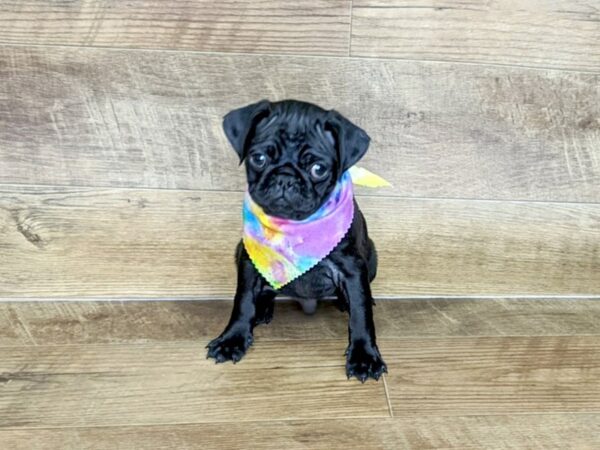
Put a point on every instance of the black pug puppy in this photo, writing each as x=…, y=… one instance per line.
x=295, y=153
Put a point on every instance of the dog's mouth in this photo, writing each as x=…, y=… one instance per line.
x=283, y=211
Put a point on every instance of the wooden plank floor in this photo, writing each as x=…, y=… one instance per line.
x=438, y=130
x=530, y=33
x=116, y=179
x=272, y=26
x=470, y=373
x=536, y=33
x=69, y=242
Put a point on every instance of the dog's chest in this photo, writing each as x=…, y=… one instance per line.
x=318, y=282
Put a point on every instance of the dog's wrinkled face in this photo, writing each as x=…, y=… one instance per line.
x=295, y=153
x=291, y=163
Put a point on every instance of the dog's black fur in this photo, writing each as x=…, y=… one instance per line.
x=295, y=153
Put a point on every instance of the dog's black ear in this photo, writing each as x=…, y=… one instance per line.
x=351, y=142
x=239, y=125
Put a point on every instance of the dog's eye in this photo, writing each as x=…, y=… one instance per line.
x=258, y=160
x=318, y=171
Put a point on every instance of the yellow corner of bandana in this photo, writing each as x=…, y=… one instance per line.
x=362, y=177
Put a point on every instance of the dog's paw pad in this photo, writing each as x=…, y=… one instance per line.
x=229, y=347
x=364, y=362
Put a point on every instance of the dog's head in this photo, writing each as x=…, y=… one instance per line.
x=295, y=152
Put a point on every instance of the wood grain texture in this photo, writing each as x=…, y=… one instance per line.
x=265, y=26
x=77, y=242
x=166, y=383
x=542, y=33
x=97, y=117
x=150, y=387
x=133, y=322
x=174, y=383
x=547, y=431
x=488, y=375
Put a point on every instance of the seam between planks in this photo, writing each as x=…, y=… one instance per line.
x=387, y=395
x=350, y=30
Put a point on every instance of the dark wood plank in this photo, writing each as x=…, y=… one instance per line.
x=564, y=34
x=99, y=117
x=115, y=243
x=93, y=322
x=93, y=385
x=489, y=375
x=265, y=26
x=547, y=431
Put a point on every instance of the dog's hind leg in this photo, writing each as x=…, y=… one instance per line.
x=309, y=305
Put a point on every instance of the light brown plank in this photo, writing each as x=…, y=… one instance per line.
x=117, y=243
x=72, y=322
x=487, y=375
x=174, y=383
x=547, y=431
x=265, y=26
x=98, y=117
x=560, y=34
x=120, y=384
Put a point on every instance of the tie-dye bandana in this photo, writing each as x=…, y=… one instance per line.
x=283, y=249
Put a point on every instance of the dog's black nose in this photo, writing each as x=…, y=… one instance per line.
x=285, y=182
x=286, y=177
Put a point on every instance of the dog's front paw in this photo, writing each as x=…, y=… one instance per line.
x=229, y=346
x=364, y=361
